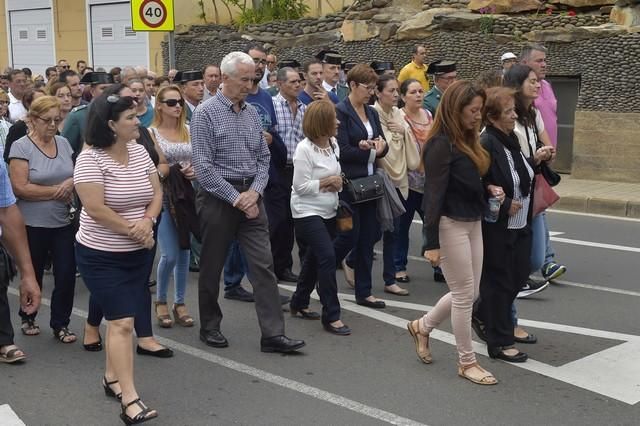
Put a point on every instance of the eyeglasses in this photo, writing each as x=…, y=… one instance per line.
x=259, y=61
x=369, y=88
x=173, y=102
x=50, y=121
x=66, y=67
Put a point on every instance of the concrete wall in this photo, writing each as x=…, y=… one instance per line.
x=606, y=146
x=70, y=29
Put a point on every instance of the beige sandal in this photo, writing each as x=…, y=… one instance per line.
x=486, y=379
x=424, y=354
x=184, y=320
x=164, y=320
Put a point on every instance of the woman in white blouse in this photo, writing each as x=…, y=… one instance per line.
x=314, y=202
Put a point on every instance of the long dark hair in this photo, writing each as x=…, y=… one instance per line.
x=515, y=78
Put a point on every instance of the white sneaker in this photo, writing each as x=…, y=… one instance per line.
x=532, y=287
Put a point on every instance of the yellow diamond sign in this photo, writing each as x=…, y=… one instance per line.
x=152, y=15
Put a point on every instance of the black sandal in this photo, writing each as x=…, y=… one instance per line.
x=141, y=417
x=29, y=327
x=108, y=391
x=63, y=333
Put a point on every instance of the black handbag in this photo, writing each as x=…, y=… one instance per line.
x=364, y=189
x=549, y=174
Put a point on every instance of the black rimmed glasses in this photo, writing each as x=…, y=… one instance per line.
x=173, y=102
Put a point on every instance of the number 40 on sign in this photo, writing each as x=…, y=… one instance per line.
x=152, y=15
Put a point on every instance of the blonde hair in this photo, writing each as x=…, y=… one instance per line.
x=4, y=95
x=42, y=105
x=182, y=120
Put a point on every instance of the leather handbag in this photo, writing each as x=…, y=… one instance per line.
x=549, y=174
x=364, y=189
x=543, y=195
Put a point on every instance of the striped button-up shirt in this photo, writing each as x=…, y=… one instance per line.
x=289, y=126
x=228, y=145
x=518, y=220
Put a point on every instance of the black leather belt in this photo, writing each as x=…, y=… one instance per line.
x=247, y=181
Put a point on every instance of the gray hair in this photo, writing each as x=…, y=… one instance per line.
x=282, y=73
x=531, y=47
x=230, y=62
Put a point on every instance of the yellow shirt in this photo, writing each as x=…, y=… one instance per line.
x=412, y=70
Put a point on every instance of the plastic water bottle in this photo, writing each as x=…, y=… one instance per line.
x=493, y=209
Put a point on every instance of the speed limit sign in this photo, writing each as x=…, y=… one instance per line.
x=152, y=15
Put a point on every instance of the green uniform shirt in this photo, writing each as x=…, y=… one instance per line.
x=432, y=100
x=74, y=127
x=342, y=91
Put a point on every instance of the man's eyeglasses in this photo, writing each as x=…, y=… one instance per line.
x=50, y=121
x=173, y=102
x=66, y=67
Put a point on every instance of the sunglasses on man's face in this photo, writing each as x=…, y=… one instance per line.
x=173, y=102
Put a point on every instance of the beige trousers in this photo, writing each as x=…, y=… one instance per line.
x=461, y=261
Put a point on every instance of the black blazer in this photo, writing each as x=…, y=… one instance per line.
x=499, y=174
x=351, y=131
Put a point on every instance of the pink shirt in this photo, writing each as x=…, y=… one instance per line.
x=547, y=104
x=127, y=191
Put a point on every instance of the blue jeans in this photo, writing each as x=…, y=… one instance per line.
x=235, y=266
x=538, y=242
x=549, y=254
x=412, y=205
x=172, y=259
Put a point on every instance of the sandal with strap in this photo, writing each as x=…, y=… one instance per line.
x=29, y=327
x=424, y=354
x=164, y=320
x=64, y=335
x=11, y=354
x=108, y=391
x=486, y=379
x=185, y=320
x=144, y=415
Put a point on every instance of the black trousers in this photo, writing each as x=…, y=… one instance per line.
x=6, y=329
x=277, y=201
x=319, y=266
x=60, y=243
x=221, y=223
x=506, y=266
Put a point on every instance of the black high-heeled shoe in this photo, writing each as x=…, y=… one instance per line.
x=141, y=417
x=93, y=347
x=108, y=391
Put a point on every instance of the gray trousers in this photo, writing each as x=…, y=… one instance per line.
x=220, y=224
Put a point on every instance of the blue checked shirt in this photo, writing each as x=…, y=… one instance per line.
x=228, y=145
x=289, y=127
x=6, y=193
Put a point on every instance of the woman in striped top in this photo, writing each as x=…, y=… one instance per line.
x=507, y=242
x=121, y=196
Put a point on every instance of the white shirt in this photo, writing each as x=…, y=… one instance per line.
x=527, y=136
x=17, y=111
x=330, y=88
x=264, y=83
x=310, y=164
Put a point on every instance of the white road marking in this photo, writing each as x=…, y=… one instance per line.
x=284, y=382
x=622, y=371
x=596, y=245
x=598, y=216
x=8, y=417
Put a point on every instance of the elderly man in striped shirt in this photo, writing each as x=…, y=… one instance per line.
x=231, y=162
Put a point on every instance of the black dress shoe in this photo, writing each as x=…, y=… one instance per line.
x=93, y=347
x=529, y=339
x=498, y=353
x=280, y=344
x=340, y=331
x=299, y=313
x=238, y=293
x=288, y=276
x=438, y=276
x=161, y=353
x=378, y=304
x=214, y=339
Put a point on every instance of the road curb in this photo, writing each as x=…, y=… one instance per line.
x=597, y=205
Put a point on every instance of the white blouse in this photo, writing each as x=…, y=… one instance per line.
x=527, y=137
x=310, y=164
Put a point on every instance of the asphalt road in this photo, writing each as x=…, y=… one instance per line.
x=585, y=370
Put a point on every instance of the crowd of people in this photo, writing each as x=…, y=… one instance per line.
x=227, y=168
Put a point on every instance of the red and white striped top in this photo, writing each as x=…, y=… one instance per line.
x=127, y=191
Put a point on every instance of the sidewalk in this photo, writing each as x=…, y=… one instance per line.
x=600, y=197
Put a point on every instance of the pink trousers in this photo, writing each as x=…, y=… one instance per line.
x=461, y=261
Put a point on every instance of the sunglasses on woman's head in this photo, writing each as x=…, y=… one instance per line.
x=173, y=102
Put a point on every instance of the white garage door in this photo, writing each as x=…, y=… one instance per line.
x=114, y=43
x=32, y=39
